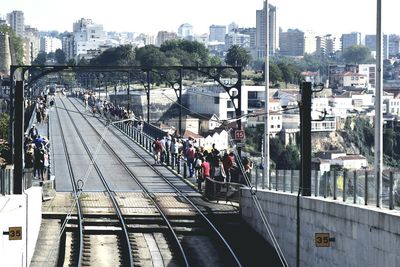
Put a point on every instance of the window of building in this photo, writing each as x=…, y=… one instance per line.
x=216, y=100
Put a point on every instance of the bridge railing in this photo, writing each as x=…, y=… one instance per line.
x=350, y=186
x=178, y=164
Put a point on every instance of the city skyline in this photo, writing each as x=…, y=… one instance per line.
x=130, y=17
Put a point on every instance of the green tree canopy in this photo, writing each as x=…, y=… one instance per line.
x=357, y=54
x=238, y=56
x=40, y=59
x=275, y=73
x=189, y=53
x=121, y=55
x=60, y=56
x=150, y=55
x=289, y=159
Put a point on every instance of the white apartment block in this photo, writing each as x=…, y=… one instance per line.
x=310, y=42
x=392, y=105
x=327, y=45
x=348, y=79
x=87, y=36
x=340, y=105
x=242, y=40
x=50, y=44
x=16, y=21
x=369, y=70
x=217, y=33
x=185, y=30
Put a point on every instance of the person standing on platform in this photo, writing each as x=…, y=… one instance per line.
x=205, y=170
x=157, y=148
x=190, y=154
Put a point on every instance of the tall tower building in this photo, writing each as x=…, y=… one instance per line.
x=370, y=42
x=217, y=33
x=394, y=45
x=350, y=39
x=261, y=23
x=291, y=43
x=185, y=31
x=164, y=36
x=17, y=22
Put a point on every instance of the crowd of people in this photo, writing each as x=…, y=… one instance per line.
x=209, y=168
x=36, y=149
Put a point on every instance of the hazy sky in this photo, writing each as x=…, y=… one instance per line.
x=150, y=16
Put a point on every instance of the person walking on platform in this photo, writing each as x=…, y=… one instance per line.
x=33, y=132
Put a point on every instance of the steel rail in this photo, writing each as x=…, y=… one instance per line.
x=227, y=246
x=75, y=189
x=146, y=192
x=107, y=187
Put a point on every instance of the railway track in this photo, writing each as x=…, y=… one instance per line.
x=90, y=247
x=181, y=241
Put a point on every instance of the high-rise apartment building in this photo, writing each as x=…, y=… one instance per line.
x=327, y=45
x=50, y=44
x=31, y=44
x=261, y=23
x=291, y=43
x=310, y=42
x=394, y=45
x=17, y=22
x=185, y=31
x=87, y=36
x=350, y=39
x=164, y=36
x=217, y=33
x=252, y=32
x=370, y=42
x=233, y=38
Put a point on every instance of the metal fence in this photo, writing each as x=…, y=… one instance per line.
x=356, y=186
x=7, y=179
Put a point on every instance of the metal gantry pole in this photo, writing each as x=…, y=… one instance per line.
x=148, y=96
x=378, y=160
x=266, y=116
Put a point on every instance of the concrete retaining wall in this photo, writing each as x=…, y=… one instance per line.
x=365, y=236
x=20, y=211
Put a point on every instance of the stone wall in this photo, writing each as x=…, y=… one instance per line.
x=364, y=236
x=5, y=55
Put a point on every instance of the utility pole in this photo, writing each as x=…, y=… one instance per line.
x=378, y=160
x=305, y=134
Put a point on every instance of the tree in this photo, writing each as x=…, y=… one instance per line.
x=190, y=53
x=122, y=55
x=275, y=73
x=40, y=59
x=150, y=55
x=15, y=43
x=237, y=56
x=290, y=72
x=60, y=56
x=357, y=54
x=275, y=148
x=289, y=159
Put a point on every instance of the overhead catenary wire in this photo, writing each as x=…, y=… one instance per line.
x=258, y=205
